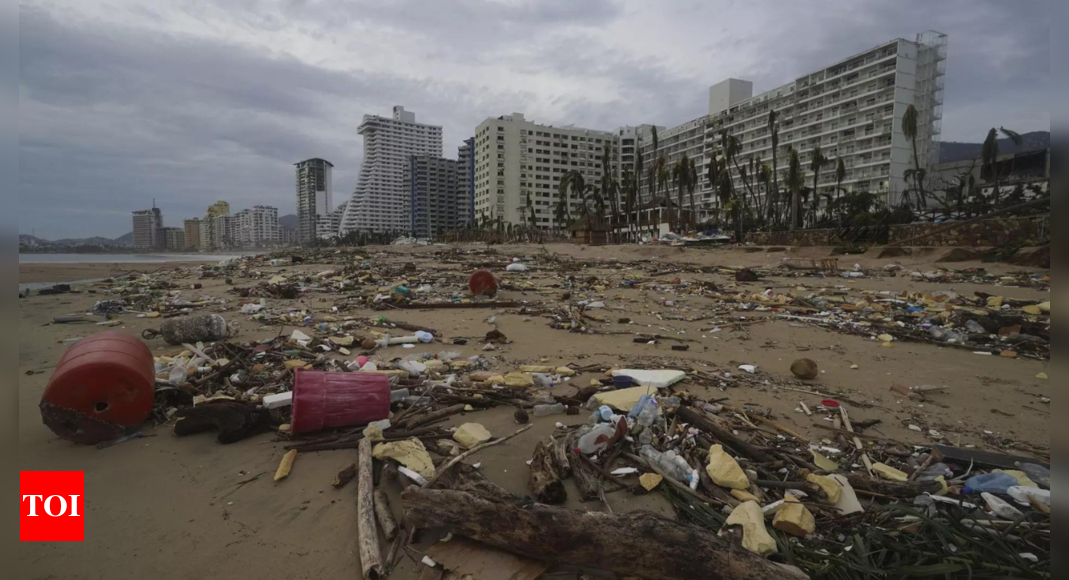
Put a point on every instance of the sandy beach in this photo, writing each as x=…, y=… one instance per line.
x=60, y=273
x=177, y=508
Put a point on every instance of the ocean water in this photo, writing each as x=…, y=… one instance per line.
x=121, y=258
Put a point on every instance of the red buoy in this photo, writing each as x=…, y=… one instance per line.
x=323, y=400
x=104, y=385
x=483, y=283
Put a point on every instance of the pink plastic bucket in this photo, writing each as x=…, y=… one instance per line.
x=323, y=400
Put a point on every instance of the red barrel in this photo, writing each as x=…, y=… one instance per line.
x=482, y=282
x=323, y=400
x=103, y=385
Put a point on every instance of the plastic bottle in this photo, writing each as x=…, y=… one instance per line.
x=399, y=395
x=1021, y=495
x=178, y=372
x=990, y=482
x=645, y=411
x=543, y=380
x=546, y=410
x=596, y=439
x=934, y=471
x=1036, y=473
x=672, y=465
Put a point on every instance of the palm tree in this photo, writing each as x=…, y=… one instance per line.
x=840, y=175
x=637, y=177
x=909, y=129
x=989, y=156
x=610, y=188
x=794, y=184
x=764, y=175
x=815, y=164
x=629, y=189
x=563, y=213
x=692, y=184
x=773, y=195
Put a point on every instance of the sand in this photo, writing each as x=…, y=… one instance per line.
x=41, y=273
x=175, y=508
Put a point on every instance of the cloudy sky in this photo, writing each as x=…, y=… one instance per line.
x=189, y=101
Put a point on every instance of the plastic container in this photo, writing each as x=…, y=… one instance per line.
x=203, y=328
x=323, y=400
x=482, y=283
x=543, y=380
x=103, y=386
x=990, y=483
x=623, y=382
x=1036, y=473
x=672, y=465
x=596, y=439
x=547, y=410
x=645, y=411
x=399, y=395
x=1021, y=495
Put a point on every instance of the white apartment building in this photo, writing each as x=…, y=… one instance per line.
x=257, y=226
x=852, y=109
x=224, y=232
x=315, y=198
x=328, y=225
x=516, y=159
x=632, y=140
x=378, y=202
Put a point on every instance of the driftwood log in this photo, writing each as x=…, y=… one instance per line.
x=586, y=478
x=344, y=476
x=432, y=417
x=697, y=418
x=545, y=478
x=368, y=542
x=384, y=515
x=893, y=489
x=559, y=449
x=635, y=544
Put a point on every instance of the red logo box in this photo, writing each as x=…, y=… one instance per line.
x=52, y=506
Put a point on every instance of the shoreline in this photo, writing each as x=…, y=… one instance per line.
x=58, y=273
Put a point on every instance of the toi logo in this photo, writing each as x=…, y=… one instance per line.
x=52, y=506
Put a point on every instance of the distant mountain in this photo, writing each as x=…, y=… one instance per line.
x=950, y=151
x=288, y=221
x=124, y=240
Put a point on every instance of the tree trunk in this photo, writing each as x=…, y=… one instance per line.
x=697, y=418
x=368, y=542
x=635, y=544
x=545, y=478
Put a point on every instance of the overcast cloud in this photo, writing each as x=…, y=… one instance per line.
x=190, y=101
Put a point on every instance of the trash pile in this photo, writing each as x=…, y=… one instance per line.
x=752, y=497
x=755, y=492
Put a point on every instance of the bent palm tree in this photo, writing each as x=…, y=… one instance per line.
x=794, y=184
x=989, y=157
x=815, y=164
x=909, y=129
x=773, y=196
